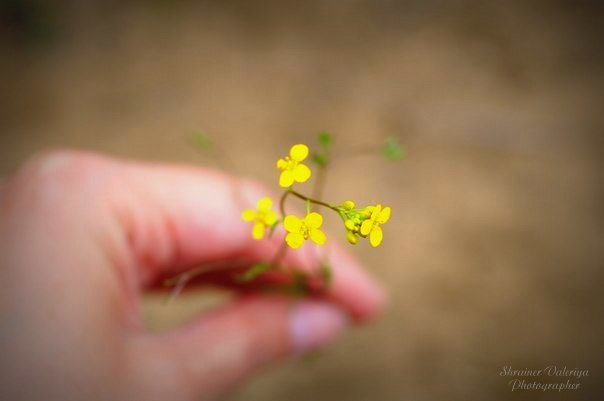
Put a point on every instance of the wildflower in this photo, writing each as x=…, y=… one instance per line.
x=371, y=226
x=292, y=168
x=262, y=217
x=299, y=230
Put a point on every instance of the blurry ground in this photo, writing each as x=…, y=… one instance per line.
x=495, y=252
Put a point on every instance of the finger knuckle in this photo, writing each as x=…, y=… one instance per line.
x=54, y=174
x=57, y=163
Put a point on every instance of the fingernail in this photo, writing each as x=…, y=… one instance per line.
x=314, y=324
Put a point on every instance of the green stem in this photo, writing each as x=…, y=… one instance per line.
x=282, y=203
x=317, y=192
x=311, y=200
x=276, y=261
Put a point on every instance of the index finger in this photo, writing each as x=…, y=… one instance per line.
x=165, y=219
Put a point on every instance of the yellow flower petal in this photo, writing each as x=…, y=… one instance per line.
x=301, y=173
x=264, y=204
x=349, y=224
x=248, y=215
x=281, y=164
x=313, y=220
x=298, y=152
x=258, y=230
x=376, y=236
x=294, y=240
x=286, y=179
x=384, y=216
x=292, y=224
x=270, y=218
x=376, y=212
x=366, y=227
x=317, y=236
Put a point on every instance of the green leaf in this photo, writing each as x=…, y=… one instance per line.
x=325, y=139
x=391, y=150
x=319, y=159
x=253, y=272
x=298, y=288
x=202, y=140
x=326, y=275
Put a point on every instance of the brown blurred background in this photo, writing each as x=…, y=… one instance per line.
x=495, y=252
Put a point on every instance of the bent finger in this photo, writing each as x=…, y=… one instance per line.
x=212, y=355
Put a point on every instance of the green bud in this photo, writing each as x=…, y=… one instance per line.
x=319, y=159
x=325, y=139
x=348, y=205
x=391, y=150
x=353, y=239
x=202, y=140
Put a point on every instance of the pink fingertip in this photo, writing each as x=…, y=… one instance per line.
x=314, y=324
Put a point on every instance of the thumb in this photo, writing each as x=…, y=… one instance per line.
x=212, y=355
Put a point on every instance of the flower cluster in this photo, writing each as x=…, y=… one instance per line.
x=358, y=223
x=364, y=222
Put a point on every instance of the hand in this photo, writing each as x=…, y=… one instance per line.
x=81, y=235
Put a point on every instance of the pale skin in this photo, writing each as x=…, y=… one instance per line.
x=82, y=235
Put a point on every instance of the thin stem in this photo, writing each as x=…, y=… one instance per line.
x=181, y=280
x=279, y=255
x=282, y=204
x=276, y=261
x=315, y=201
x=317, y=192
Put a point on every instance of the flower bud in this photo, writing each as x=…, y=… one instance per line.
x=348, y=205
x=353, y=239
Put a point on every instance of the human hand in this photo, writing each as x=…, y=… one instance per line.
x=81, y=235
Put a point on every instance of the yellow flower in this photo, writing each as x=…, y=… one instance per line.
x=262, y=218
x=371, y=226
x=292, y=168
x=299, y=230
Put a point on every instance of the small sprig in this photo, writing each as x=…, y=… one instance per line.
x=365, y=222
x=358, y=223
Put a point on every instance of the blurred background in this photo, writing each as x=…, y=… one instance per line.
x=495, y=251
